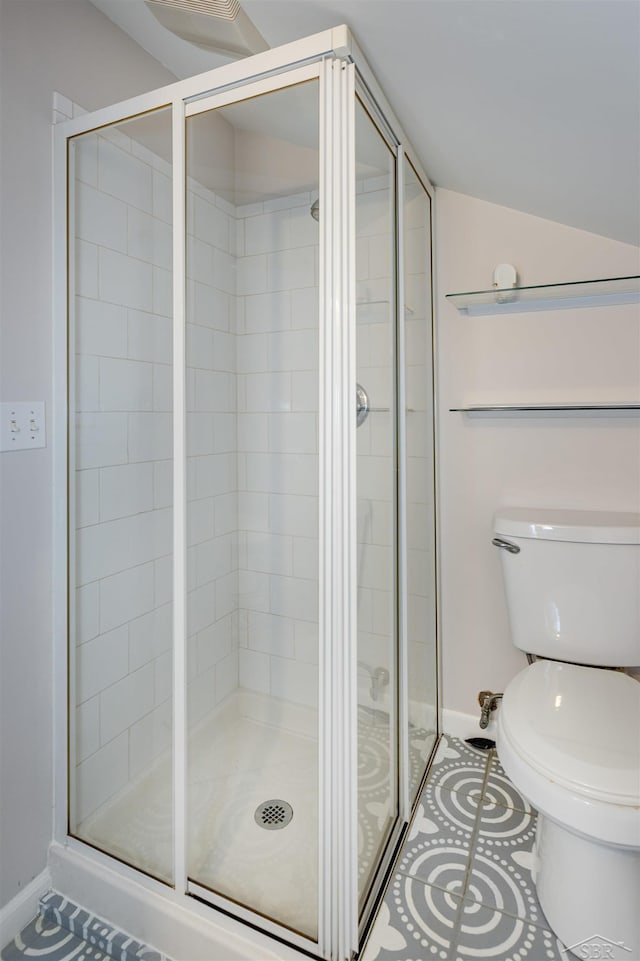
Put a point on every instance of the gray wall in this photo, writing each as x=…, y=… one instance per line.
x=70, y=47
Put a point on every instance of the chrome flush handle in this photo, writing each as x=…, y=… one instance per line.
x=505, y=545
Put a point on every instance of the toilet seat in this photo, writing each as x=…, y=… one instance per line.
x=569, y=738
x=580, y=726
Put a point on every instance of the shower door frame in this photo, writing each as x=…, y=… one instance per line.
x=332, y=57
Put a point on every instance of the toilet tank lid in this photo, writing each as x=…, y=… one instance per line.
x=591, y=527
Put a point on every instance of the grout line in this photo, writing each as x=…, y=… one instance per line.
x=472, y=848
x=504, y=804
x=469, y=794
x=478, y=821
x=472, y=844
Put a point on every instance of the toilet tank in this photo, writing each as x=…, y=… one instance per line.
x=573, y=587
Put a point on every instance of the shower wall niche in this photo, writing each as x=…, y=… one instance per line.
x=252, y=693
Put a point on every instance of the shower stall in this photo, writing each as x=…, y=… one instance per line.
x=247, y=668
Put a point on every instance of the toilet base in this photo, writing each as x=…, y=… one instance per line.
x=589, y=892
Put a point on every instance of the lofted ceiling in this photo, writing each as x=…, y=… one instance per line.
x=532, y=104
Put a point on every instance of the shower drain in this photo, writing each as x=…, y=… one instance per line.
x=273, y=815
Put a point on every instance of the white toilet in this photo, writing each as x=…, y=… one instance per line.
x=568, y=731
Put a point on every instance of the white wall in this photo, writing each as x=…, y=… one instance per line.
x=574, y=461
x=67, y=46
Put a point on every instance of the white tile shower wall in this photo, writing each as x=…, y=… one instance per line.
x=122, y=447
x=277, y=353
x=212, y=427
x=252, y=435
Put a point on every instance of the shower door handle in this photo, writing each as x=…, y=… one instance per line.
x=363, y=408
x=362, y=405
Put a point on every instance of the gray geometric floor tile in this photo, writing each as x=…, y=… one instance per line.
x=473, y=835
x=485, y=932
x=101, y=936
x=502, y=829
x=454, y=748
x=385, y=940
x=496, y=766
x=438, y=846
x=501, y=790
x=458, y=767
x=416, y=922
x=49, y=942
x=465, y=784
x=454, y=811
x=439, y=862
x=502, y=880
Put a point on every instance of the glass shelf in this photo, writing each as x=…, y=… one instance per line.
x=542, y=408
x=580, y=293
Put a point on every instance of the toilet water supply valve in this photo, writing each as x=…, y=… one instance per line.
x=488, y=702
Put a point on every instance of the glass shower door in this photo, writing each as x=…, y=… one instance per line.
x=420, y=584
x=252, y=478
x=242, y=633
x=376, y=495
x=120, y=502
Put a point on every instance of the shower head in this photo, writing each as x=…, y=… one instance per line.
x=315, y=209
x=220, y=25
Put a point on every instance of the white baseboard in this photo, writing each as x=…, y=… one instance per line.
x=15, y=915
x=457, y=724
x=179, y=927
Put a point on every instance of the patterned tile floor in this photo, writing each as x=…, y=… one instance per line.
x=462, y=886
x=62, y=931
x=50, y=942
x=461, y=890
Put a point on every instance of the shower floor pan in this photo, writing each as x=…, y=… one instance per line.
x=251, y=750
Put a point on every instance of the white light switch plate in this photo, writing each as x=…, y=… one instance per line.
x=22, y=425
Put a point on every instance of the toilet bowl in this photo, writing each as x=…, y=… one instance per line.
x=568, y=733
x=573, y=735
x=577, y=761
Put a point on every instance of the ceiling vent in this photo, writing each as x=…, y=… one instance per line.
x=220, y=25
